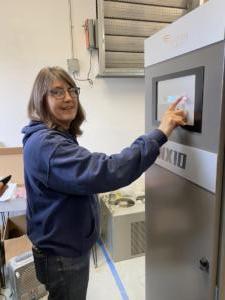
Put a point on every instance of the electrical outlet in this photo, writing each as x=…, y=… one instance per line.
x=73, y=65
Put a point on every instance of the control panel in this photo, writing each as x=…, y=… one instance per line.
x=187, y=85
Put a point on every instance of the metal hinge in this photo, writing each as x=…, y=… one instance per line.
x=216, y=294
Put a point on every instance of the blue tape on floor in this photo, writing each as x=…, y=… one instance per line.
x=111, y=265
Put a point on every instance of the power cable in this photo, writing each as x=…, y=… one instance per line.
x=88, y=74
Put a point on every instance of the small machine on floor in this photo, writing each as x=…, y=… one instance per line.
x=123, y=225
x=22, y=278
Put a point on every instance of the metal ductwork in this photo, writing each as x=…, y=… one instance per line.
x=122, y=28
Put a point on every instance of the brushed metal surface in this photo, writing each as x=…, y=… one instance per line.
x=212, y=58
x=221, y=271
x=182, y=219
x=221, y=265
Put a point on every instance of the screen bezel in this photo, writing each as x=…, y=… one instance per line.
x=199, y=89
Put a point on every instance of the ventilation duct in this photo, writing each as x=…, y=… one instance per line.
x=124, y=25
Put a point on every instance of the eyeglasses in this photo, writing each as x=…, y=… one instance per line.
x=60, y=93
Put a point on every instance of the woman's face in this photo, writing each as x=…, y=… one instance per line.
x=62, y=101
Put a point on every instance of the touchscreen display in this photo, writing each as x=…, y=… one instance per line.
x=171, y=89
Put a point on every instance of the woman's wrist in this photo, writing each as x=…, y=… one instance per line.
x=165, y=129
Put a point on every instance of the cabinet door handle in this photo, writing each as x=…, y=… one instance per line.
x=204, y=264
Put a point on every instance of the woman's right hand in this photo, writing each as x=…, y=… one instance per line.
x=172, y=118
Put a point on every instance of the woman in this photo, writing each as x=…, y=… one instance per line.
x=62, y=178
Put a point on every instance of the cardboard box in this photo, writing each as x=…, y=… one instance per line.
x=11, y=162
x=15, y=227
x=21, y=274
x=15, y=239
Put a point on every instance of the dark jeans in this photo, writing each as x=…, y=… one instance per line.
x=65, y=278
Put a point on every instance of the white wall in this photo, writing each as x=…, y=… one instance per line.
x=36, y=33
x=32, y=35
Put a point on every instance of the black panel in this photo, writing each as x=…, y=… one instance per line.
x=199, y=87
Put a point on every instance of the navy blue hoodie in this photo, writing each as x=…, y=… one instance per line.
x=62, y=178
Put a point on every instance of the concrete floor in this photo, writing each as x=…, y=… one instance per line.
x=131, y=274
x=123, y=280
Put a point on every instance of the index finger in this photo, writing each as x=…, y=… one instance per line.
x=174, y=104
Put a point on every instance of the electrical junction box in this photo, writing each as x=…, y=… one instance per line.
x=73, y=65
